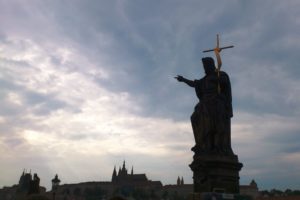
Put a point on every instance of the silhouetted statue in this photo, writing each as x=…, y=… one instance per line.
x=212, y=115
x=215, y=167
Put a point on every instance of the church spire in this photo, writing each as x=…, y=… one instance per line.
x=114, y=172
x=119, y=173
x=178, y=181
x=114, y=175
x=132, y=170
x=124, y=166
x=124, y=170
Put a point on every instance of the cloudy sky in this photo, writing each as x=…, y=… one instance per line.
x=85, y=85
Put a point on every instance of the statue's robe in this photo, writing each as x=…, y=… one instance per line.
x=211, y=117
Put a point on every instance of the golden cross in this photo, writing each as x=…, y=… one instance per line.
x=218, y=58
x=218, y=42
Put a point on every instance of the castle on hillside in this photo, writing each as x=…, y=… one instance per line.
x=135, y=180
x=122, y=183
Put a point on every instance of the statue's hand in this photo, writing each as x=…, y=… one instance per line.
x=217, y=50
x=179, y=78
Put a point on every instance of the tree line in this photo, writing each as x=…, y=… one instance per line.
x=276, y=192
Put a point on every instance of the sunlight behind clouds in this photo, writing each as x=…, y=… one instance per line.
x=14, y=98
x=102, y=120
x=33, y=137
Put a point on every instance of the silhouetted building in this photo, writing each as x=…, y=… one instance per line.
x=24, y=182
x=178, y=190
x=135, y=186
x=28, y=185
x=55, y=182
x=34, y=185
x=181, y=190
x=136, y=180
x=178, y=181
x=122, y=183
x=251, y=189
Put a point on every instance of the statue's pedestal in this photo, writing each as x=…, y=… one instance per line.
x=216, y=173
x=218, y=196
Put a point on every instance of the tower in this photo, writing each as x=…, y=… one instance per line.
x=55, y=184
x=114, y=175
x=119, y=172
x=24, y=182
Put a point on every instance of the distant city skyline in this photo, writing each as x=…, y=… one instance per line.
x=85, y=85
x=136, y=186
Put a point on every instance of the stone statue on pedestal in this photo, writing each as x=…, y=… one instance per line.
x=215, y=166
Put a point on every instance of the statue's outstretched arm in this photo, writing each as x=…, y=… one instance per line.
x=187, y=81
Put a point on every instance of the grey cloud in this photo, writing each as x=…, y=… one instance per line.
x=86, y=136
x=265, y=91
x=291, y=148
x=10, y=110
x=260, y=56
x=178, y=147
x=79, y=136
x=145, y=48
x=284, y=137
x=13, y=142
x=45, y=102
x=287, y=142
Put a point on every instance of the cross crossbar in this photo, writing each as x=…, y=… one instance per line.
x=218, y=41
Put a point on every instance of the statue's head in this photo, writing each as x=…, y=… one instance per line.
x=208, y=64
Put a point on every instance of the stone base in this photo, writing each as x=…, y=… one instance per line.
x=216, y=173
x=218, y=196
